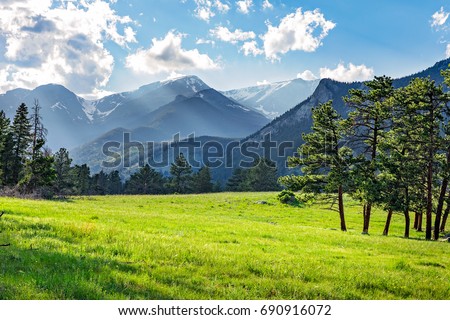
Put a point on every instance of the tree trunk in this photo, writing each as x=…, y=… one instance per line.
x=440, y=207
x=388, y=223
x=407, y=222
x=429, y=213
x=416, y=221
x=444, y=218
x=341, y=208
x=367, y=211
x=420, y=223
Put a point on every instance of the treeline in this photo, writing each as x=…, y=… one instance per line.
x=393, y=152
x=27, y=167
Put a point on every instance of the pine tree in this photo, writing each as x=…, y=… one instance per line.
x=39, y=171
x=238, y=181
x=115, y=185
x=262, y=176
x=369, y=121
x=181, y=172
x=5, y=148
x=63, y=180
x=201, y=181
x=323, y=159
x=146, y=181
x=81, y=176
x=21, y=139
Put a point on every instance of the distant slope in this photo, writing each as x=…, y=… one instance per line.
x=291, y=125
x=276, y=98
x=164, y=106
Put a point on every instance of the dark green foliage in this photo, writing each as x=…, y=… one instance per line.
x=146, y=181
x=262, y=176
x=237, y=181
x=367, y=124
x=323, y=158
x=6, y=149
x=287, y=196
x=181, y=175
x=21, y=139
x=201, y=181
x=63, y=184
x=115, y=185
x=81, y=179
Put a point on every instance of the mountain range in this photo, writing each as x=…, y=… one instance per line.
x=274, y=99
x=186, y=105
x=156, y=111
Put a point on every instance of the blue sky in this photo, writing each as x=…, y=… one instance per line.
x=99, y=46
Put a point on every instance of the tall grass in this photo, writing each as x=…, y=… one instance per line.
x=216, y=246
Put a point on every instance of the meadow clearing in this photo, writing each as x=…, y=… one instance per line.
x=213, y=246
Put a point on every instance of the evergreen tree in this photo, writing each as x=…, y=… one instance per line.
x=115, y=185
x=63, y=178
x=146, y=181
x=238, y=181
x=5, y=148
x=201, y=181
x=323, y=160
x=99, y=183
x=181, y=175
x=39, y=171
x=426, y=105
x=21, y=139
x=368, y=123
x=81, y=177
x=262, y=176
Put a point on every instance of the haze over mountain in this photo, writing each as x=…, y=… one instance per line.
x=276, y=98
x=185, y=105
x=291, y=125
x=286, y=128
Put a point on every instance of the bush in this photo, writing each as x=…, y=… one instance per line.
x=287, y=196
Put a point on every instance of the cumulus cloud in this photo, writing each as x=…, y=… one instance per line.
x=206, y=9
x=439, y=18
x=224, y=34
x=267, y=5
x=297, y=32
x=251, y=48
x=244, y=6
x=348, y=74
x=447, y=51
x=307, y=75
x=63, y=42
x=167, y=55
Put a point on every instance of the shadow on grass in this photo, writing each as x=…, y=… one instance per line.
x=41, y=274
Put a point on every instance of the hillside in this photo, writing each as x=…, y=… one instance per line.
x=274, y=99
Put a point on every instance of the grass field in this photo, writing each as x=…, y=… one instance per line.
x=215, y=246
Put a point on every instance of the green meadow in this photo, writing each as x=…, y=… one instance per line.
x=214, y=246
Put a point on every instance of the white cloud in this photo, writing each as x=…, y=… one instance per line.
x=267, y=5
x=166, y=56
x=447, y=51
x=251, y=48
x=206, y=9
x=222, y=7
x=262, y=83
x=224, y=34
x=205, y=41
x=297, y=31
x=244, y=6
x=348, y=74
x=60, y=42
x=439, y=18
x=306, y=75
